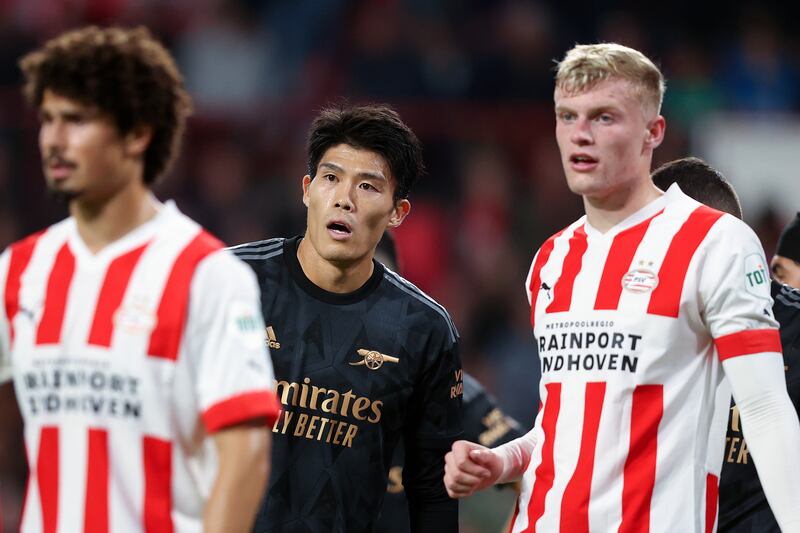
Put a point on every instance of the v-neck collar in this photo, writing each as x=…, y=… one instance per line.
x=136, y=237
x=673, y=193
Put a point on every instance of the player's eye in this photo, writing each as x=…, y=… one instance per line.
x=566, y=116
x=329, y=177
x=605, y=118
x=367, y=186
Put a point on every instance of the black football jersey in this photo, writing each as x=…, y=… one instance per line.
x=743, y=508
x=356, y=373
x=484, y=423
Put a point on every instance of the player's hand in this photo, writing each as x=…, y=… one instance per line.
x=470, y=467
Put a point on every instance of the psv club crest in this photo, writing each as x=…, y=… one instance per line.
x=641, y=279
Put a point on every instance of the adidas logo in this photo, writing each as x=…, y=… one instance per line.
x=272, y=341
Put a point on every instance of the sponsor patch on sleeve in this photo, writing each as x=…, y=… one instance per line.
x=756, y=278
x=244, y=323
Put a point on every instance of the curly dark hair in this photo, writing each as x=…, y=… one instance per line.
x=124, y=72
x=377, y=128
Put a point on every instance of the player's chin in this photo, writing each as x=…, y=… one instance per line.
x=63, y=193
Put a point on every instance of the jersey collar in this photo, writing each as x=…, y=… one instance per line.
x=318, y=293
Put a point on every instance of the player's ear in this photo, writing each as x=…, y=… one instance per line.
x=655, y=132
x=306, y=183
x=138, y=139
x=399, y=213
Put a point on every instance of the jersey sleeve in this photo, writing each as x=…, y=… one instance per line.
x=5, y=335
x=435, y=420
x=234, y=378
x=734, y=289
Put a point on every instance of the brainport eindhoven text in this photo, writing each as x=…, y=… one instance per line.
x=589, y=350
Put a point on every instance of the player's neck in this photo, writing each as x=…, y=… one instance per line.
x=101, y=223
x=605, y=212
x=332, y=277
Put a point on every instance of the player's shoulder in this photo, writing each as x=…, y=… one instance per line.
x=695, y=216
x=435, y=313
x=258, y=251
x=787, y=303
x=566, y=230
x=26, y=245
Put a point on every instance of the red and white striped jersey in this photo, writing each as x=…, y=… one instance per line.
x=632, y=326
x=124, y=362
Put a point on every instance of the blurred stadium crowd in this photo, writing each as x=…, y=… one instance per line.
x=473, y=78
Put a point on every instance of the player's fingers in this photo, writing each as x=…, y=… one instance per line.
x=485, y=458
x=463, y=463
x=460, y=485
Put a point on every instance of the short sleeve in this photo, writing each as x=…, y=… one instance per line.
x=436, y=416
x=734, y=287
x=5, y=334
x=234, y=379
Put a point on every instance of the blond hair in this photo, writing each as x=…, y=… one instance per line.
x=586, y=65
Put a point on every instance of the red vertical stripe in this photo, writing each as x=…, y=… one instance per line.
x=640, y=465
x=666, y=297
x=47, y=477
x=712, y=492
x=166, y=337
x=562, y=292
x=21, y=253
x=116, y=281
x=545, y=472
x=618, y=263
x=157, y=485
x=575, y=502
x=95, y=515
x=536, y=280
x=55, y=302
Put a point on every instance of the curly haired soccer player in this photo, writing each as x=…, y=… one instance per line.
x=133, y=339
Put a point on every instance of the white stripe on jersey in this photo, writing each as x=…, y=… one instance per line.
x=110, y=380
x=628, y=319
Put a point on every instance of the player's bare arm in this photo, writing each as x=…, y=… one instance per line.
x=243, y=452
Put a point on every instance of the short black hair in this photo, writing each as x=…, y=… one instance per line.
x=377, y=128
x=124, y=72
x=700, y=181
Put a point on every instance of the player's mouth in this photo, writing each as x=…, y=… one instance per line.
x=582, y=162
x=339, y=230
x=58, y=169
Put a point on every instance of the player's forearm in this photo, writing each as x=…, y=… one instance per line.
x=515, y=456
x=241, y=480
x=772, y=431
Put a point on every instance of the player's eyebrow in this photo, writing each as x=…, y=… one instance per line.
x=362, y=173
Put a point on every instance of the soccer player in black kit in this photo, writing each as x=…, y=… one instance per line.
x=362, y=357
x=743, y=507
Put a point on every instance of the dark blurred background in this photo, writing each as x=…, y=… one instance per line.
x=473, y=78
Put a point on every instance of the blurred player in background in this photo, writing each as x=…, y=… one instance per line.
x=363, y=358
x=640, y=308
x=743, y=508
x=699, y=180
x=133, y=339
x=483, y=420
x=786, y=261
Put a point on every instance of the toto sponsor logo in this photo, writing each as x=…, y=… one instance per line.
x=640, y=280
